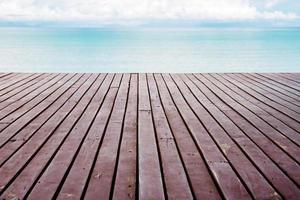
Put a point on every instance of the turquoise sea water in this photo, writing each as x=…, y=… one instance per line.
x=149, y=50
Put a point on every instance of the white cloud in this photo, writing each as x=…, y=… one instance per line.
x=271, y=3
x=122, y=10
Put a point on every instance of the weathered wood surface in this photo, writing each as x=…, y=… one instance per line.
x=150, y=136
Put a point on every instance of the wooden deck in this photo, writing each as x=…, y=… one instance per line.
x=149, y=136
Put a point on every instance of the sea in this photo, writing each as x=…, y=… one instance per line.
x=169, y=50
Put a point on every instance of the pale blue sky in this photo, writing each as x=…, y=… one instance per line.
x=137, y=12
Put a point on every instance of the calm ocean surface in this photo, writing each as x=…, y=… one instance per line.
x=149, y=50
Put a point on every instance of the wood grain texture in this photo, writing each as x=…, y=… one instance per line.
x=149, y=136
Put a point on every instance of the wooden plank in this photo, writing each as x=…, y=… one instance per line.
x=22, y=119
x=30, y=101
x=20, y=86
x=274, y=152
x=6, y=133
x=101, y=181
x=50, y=180
x=27, y=91
x=12, y=107
x=22, y=136
x=9, y=92
x=10, y=77
x=76, y=180
x=248, y=110
x=16, y=102
x=45, y=143
x=199, y=176
x=177, y=185
x=291, y=76
x=11, y=82
x=294, y=98
x=150, y=183
x=143, y=136
x=269, y=92
x=262, y=189
x=287, y=126
x=287, y=88
x=283, y=81
x=125, y=181
x=2, y=75
x=261, y=161
x=218, y=164
x=273, y=101
x=253, y=120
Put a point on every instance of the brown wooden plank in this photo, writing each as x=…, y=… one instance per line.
x=262, y=189
x=247, y=110
x=20, y=86
x=270, y=170
x=249, y=117
x=290, y=76
x=277, y=78
x=101, y=180
x=48, y=139
x=275, y=153
x=2, y=75
x=49, y=182
x=11, y=82
x=177, y=185
x=284, y=124
x=16, y=102
x=295, y=76
x=75, y=182
x=26, y=117
x=138, y=136
x=293, y=98
x=27, y=91
x=13, y=111
x=150, y=183
x=270, y=92
x=9, y=78
x=10, y=107
x=77, y=177
x=21, y=82
x=285, y=87
x=125, y=181
x=218, y=164
x=273, y=101
x=264, y=81
x=8, y=92
x=201, y=181
x=21, y=136
x=10, y=75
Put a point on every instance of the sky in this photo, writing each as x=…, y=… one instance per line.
x=99, y=12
